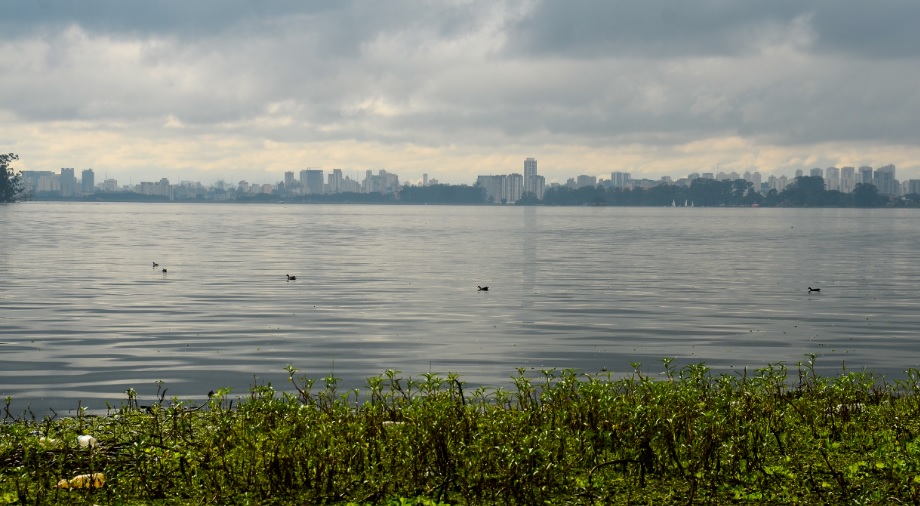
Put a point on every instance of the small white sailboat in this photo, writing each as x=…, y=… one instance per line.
x=673, y=203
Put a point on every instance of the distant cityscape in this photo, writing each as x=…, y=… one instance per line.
x=506, y=188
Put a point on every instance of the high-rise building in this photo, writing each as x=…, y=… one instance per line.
x=755, y=180
x=865, y=175
x=832, y=179
x=530, y=174
x=494, y=187
x=816, y=172
x=777, y=183
x=913, y=186
x=312, y=180
x=847, y=179
x=335, y=181
x=289, y=180
x=530, y=168
x=539, y=186
x=383, y=182
x=885, y=181
x=161, y=188
x=36, y=181
x=514, y=188
x=88, y=182
x=68, y=182
x=619, y=179
x=584, y=180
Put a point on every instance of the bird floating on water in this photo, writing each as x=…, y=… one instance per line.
x=155, y=265
x=164, y=270
x=810, y=289
x=483, y=288
x=291, y=278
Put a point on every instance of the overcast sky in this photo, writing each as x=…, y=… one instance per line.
x=236, y=89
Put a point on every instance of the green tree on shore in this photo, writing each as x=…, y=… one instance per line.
x=805, y=191
x=10, y=182
x=866, y=195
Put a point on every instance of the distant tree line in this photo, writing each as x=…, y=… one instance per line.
x=804, y=191
x=435, y=194
x=443, y=194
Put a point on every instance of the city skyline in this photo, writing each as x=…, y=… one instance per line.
x=508, y=188
x=233, y=91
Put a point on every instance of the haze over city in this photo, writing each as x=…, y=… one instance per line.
x=239, y=91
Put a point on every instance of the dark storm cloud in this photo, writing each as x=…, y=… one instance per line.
x=168, y=17
x=342, y=26
x=676, y=28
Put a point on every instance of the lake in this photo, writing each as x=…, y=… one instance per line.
x=84, y=315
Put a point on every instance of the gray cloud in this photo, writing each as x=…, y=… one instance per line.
x=675, y=28
x=471, y=77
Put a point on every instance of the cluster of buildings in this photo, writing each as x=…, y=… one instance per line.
x=843, y=180
x=507, y=188
x=510, y=188
x=312, y=181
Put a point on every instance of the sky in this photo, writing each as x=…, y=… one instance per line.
x=234, y=89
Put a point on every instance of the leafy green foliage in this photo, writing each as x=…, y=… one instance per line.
x=688, y=436
x=10, y=182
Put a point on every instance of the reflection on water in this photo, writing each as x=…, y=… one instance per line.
x=529, y=263
x=83, y=315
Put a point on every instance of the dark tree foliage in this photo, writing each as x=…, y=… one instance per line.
x=10, y=182
x=528, y=199
x=805, y=191
x=320, y=198
x=866, y=195
x=442, y=194
x=711, y=193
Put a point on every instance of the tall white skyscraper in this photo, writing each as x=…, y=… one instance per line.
x=832, y=178
x=532, y=184
x=530, y=167
x=619, y=179
x=847, y=179
x=885, y=181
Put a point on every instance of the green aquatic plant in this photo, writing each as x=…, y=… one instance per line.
x=776, y=434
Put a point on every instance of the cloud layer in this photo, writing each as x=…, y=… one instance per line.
x=240, y=90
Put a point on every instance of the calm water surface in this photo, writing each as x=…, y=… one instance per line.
x=84, y=316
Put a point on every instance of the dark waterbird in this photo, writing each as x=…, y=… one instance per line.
x=810, y=289
x=291, y=278
x=483, y=288
x=164, y=270
x=155, y=265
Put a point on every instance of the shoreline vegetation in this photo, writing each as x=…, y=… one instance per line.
x=804, y=191
x=775, y=435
